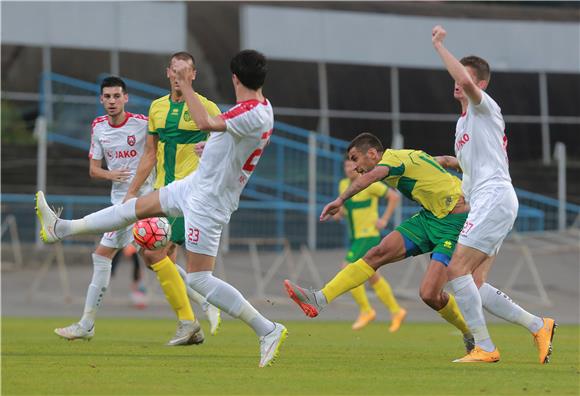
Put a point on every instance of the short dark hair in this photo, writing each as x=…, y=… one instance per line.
x=478, y=64
x=182, y=55
x=250, y=67
x=364, y=142
x=113, y=81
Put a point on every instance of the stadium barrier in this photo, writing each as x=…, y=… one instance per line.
x=10, y=225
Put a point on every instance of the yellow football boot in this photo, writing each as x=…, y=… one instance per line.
x=543, y=340
x=397, y=320
x=364, y=319
x=478, y=355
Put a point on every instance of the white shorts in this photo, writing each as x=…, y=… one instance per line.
x=491, y=217
x=202, y=230
x=118, y=239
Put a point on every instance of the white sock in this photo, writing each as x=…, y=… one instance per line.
x=498, y=303
x=96, y=290
x=230, y=300
x=109, y=219
x=192, y=294
x=469, y=303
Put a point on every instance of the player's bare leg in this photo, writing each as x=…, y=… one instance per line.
x=224, y=296
x=391, y=249
x=85, y=328
x=501, y=305
x=464, y=262
x=432, y=293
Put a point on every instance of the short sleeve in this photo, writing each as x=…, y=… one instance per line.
x=486, y=106
x=390, y=160
x=151, y=123
x=96, y=150
x=241, y=120
x=212, y=109
x=378, y=189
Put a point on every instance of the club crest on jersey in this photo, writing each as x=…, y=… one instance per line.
x=131, y=140
x=186, y=116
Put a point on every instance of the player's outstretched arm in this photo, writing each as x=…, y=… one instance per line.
x=198, y=112
x=96, y=171
x=454, y=67
x=359, y=184
x=393, y=200
x=146, y=165
x=448, y=162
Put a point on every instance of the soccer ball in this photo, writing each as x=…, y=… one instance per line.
x=152, y=233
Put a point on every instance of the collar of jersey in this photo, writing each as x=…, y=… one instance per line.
x=127, y=116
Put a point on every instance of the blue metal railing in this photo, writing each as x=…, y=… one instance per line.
x=278, y=191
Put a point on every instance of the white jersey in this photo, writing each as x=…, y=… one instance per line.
x=480, y=147
x=122, y=147
x=230, y=157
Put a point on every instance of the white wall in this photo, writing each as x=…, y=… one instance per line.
x=150, y=27
x=384, y=39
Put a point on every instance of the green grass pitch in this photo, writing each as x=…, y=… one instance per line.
x=127, y=357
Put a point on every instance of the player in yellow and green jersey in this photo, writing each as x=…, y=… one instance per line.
x=171, y=146
x=435, y=229
x=364, y=224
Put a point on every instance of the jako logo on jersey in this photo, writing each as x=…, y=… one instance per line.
x=122, y=154
x=131, y=140
x=461, y=142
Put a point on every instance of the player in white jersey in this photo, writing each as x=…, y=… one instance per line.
x=118, y=138
x=480, y=148
x=207, y=197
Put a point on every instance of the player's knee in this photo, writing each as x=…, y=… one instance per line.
x=373, y=256
x=430, y=296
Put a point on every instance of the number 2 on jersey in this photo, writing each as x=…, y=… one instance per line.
x=252, y=160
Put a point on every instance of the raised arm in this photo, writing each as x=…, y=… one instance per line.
x=198, y=112
x=454, y=67
x=359, y=184
x=146, y=165
x=448, y=162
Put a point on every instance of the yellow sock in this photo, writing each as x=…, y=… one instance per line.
x=452, y=314
x=360, y=297
x=174, y=288
x=348, y=278
x=385, y=294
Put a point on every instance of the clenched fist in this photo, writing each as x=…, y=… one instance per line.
x=438, y=35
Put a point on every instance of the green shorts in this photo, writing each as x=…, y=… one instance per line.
x=177, y=230
x=426, y=233
x=359, y=247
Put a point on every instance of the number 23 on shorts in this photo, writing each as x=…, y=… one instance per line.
x=193, y=235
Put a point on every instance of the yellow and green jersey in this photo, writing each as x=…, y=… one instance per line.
x=178, y=133
x=419, y=177
x=362, y=209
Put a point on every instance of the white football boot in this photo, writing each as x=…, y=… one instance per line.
x=75, y=332
x=188, y=332
x=270, y=345
x=48, y=219
x=214, y=316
